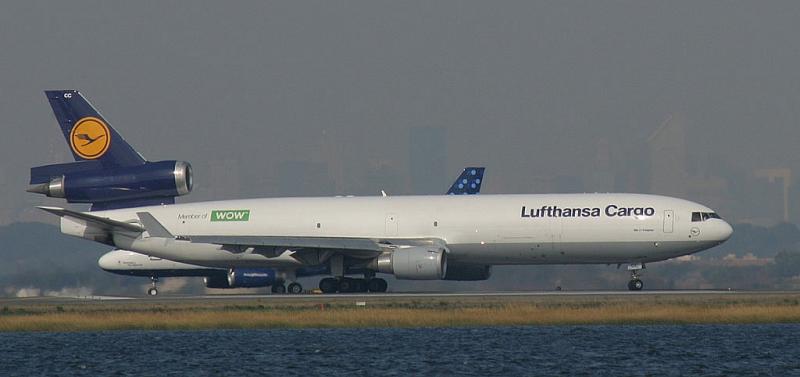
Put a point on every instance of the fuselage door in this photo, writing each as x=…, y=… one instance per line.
x=669, y=221
x=391, y=224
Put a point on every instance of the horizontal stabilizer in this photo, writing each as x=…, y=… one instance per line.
x=100, y=222
x=43, y=174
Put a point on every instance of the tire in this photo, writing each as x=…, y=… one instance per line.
x=152, y=292
x=295, y=288
x=360, y=285
x=279, y=289
x=377, y=285
x=346, y=285
x=635, y=285
x=329, y=285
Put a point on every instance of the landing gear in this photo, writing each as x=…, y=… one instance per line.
x=153, y=291
x=295, y=288
x=278, y=289
x=329, y=285
x=350, y=285
x=346, y=285
x=360, y=285
x=377, y=285
x=635, y=284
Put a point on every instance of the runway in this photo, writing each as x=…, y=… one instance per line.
x=449, y=296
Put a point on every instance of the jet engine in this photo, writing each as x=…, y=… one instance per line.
x=413, y=263
x=88, y=182
x=251, y=277
x=242, y=278
x=468, y=272
x=216, y=282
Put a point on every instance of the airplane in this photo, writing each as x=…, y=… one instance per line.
x=419, y=237
x=125, y=262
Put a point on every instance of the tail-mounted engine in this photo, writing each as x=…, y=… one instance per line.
x=107, y=188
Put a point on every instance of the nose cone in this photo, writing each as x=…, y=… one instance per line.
x=108, y=261
x=723, y=231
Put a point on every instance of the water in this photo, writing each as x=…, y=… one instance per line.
x=751, y=350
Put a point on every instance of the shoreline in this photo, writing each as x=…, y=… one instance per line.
x=420, y=312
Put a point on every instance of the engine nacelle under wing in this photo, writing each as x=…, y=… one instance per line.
x=413, y=263
x=243, y=278
x=216, y=282
x=251, y=277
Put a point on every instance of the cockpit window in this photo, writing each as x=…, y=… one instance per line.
x=703, y=216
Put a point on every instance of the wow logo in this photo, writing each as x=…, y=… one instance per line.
x=230, y=215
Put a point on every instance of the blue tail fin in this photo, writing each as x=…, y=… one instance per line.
x=89, y=136
x=468, y=183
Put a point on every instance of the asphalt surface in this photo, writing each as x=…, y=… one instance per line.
x=383, y=296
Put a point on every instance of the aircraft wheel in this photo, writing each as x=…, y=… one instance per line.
x=295, y=288
x=346, y=285
x=329, y=285
x=635, y=285
x=377, y=285
x=360, y=285
x=152, y=291
x=278, y=289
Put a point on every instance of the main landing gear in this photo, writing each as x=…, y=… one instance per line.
x=293, y=288
x=350, y=285
x=278, y=289
x=635, y=284
x=153, y=290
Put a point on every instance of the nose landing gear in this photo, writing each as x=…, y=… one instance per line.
x=153, y=290
x=295, y=288
x=635, y=284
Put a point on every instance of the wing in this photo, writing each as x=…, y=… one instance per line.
x=309, y=250
x=313, y=250
x=103, y=223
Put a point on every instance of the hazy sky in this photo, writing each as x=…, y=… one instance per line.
x=525, y=88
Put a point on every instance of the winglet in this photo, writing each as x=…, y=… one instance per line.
x=153, y=226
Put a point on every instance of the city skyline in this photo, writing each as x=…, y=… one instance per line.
x=319, y=99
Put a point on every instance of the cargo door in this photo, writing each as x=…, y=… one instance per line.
x=669, y=220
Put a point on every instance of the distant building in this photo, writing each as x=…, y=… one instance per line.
x=601, y=178
x=776, y=185
x=427, y=151
x=379, y=175
x=667, y=147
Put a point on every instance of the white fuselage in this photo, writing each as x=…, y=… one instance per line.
x=480, y=229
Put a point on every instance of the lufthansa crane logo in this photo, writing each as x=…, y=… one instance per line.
x=90, y=138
